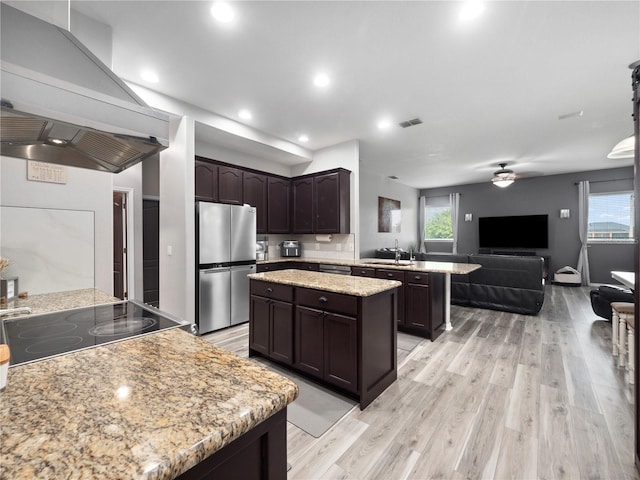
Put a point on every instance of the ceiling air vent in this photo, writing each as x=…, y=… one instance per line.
x=410, y=123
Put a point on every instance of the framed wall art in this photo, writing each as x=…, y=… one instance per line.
x=389, y=215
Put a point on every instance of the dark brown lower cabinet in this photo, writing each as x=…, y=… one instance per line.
x=259, y=454
x=424, y=304
x=271, y=322
x=343, y=341
x=326, y=346
x=399, y=276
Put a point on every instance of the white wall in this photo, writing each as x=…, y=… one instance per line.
x=216, y=152
x=373, y=186
x=85, y=190
x=177, y=221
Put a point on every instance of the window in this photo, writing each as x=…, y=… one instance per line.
x=610, y=217
x=438, y=225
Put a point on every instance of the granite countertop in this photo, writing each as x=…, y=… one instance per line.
x=146, y=408
x=330, y=282
x=52, y=302
x=416, y=266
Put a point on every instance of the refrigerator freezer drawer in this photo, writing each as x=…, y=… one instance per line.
x=240, y=293
x=215, y=299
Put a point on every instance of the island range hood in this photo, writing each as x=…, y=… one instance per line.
x=61, y=104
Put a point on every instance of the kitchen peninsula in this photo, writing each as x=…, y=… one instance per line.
x=161, y=406
x=426, y=284
x=340, y=330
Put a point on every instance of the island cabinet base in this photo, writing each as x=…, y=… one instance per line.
x=259, y=454
x=346, y=342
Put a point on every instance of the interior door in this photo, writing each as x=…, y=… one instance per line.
x=120, y=245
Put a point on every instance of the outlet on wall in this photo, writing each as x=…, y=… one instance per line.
x=317, y=246
x=351, y=247
x=338, y=247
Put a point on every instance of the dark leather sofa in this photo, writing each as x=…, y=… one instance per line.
x=504, y=282
x=604, y=295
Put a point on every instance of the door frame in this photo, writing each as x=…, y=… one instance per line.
x=129, y=241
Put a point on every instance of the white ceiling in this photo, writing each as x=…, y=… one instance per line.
x=488, y=91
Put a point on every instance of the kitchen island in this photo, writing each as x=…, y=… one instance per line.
x=416, y=277
x=339, y=330
x=161, y=406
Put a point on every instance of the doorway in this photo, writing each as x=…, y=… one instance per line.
x=120, y=242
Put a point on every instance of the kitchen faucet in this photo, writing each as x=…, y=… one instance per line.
x=397, y=253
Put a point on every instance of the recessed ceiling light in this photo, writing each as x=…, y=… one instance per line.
x=471, y=9
x=303, y=138
x=384, y=124
x=245, y=114
x=149, y=76
x=222, y=12
x=58, y=141
x=321, y=80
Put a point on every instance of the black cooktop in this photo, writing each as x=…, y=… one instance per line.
x=50, y=334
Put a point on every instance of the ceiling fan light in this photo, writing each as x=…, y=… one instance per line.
x=503, y=177
x=623, y=149
x=502, y=182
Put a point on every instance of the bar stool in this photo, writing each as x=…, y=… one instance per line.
x=622, y=319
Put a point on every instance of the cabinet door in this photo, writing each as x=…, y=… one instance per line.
x=206, y=181
x=331, y=192
x=281, y=341
x=254, y=192
x=303, y=205
x=277, y=205
x=259, y=319
x=229, y=185
x=309, y=343
x=341, y=351
x=395, y=275
x=417, y=303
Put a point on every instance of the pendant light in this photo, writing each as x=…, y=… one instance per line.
x=503, y=177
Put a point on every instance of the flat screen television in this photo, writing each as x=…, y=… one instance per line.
x=520, y=231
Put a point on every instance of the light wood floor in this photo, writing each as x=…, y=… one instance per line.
x=501, y=396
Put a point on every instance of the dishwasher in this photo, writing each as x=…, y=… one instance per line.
x=338, y=269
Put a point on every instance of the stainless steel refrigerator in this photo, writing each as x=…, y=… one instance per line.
x=226, y=255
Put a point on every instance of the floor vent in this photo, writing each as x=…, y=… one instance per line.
x=410, y=123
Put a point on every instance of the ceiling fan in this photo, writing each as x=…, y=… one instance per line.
x=504, y=177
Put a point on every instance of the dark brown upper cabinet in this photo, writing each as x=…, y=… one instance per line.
x=331, y=201
x=254, y=192
x=303, y=205
x=206, y=180
x=229, y=185
x=321, y=203
x=278, y=205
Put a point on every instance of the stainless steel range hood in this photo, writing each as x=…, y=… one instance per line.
x=61, y=104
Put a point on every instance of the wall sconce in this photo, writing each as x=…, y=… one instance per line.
x=468, y=217
x=565, y=213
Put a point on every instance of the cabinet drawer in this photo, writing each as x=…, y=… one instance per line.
x=420, y=278
x=390, y=274
x=313, y=267
x=321, y=300
x=363, y=271
x=272, y=290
